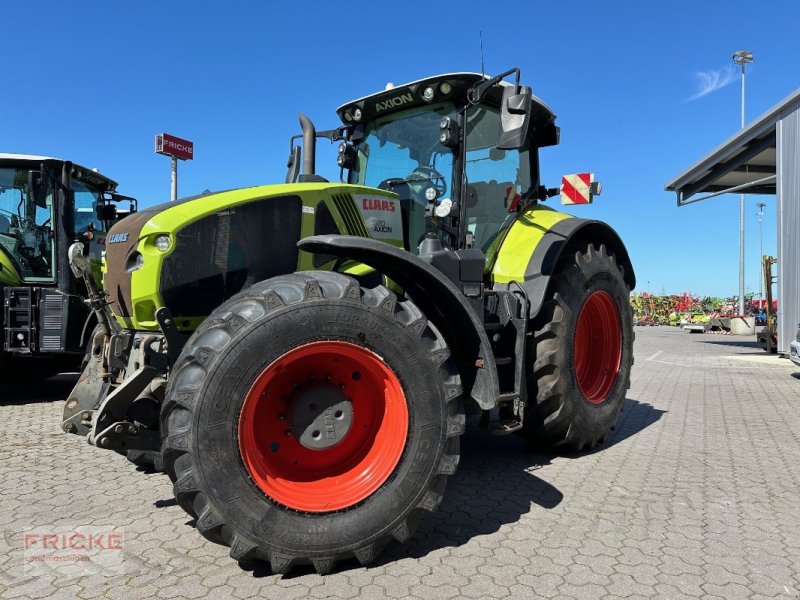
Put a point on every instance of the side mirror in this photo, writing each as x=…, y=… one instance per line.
x=36, y=188
x=106, y=212
x=515, y=117
x=80, y=265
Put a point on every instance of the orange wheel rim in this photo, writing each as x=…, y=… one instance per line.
x=597, y=351
x=323, y=426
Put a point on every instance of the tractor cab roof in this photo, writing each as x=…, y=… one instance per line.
x=78, y=172
x=438, y=88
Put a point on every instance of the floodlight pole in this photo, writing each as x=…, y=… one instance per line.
x=174, y=179
x=742, y=57
x=760, y=214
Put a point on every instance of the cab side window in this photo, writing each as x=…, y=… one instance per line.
x=495, y=178
x=85, y=209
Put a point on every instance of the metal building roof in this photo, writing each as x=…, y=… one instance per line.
x=746, y=161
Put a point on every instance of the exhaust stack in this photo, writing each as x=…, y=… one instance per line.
x=309, y=144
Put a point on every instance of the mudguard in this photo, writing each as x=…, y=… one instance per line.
x=8, y=272
x=547, y=252
x=436, y=296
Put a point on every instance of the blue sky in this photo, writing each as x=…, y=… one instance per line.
x=94, y=81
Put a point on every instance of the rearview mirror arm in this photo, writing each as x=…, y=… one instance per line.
x=476, y=93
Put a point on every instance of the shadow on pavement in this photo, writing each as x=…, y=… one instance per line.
x=635, y=417
x=46, y=390
x=736, y=343
x=496, y=483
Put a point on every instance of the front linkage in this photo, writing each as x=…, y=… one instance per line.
x=116, y=400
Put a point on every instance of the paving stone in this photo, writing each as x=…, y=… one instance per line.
x=694, y=495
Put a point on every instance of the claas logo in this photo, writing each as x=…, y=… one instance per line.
x=378, y=204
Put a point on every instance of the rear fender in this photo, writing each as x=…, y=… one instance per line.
x=560, y=236
x=438, y=298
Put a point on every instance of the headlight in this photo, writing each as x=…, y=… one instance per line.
x=163, y=242
x=427, y=94
x=357, y=114
x=135, y=262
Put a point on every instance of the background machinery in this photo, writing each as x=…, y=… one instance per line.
x=301, y=357
x=46, y=204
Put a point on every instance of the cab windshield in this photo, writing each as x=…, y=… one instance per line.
x=401, y=153
x=26, y=227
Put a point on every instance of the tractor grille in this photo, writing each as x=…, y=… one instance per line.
x=53, y=302
x=346, y=207
x=53, y=321
x=53, y=318
x=51, y=343
x=217, y=256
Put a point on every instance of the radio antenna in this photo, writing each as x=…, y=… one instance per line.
x=480, y=34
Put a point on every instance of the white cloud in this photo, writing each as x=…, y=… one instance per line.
x=712, y=80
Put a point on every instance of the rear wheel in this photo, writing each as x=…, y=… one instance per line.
x=582, y=353
x=309, y=420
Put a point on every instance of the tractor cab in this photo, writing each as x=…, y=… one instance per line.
x=46, y=204
x=460, y=150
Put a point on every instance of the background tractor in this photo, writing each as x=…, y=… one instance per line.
x=46, y=204
x=302, y=356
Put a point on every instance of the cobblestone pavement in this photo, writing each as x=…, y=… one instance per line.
x=695, y=494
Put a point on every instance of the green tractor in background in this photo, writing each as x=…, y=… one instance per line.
x=300, y=358
x=47, y=204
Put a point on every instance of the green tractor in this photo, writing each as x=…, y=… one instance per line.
x=300, y=358
x=46, y=205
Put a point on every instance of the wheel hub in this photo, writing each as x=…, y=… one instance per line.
x=320, y=416
x=323, y=426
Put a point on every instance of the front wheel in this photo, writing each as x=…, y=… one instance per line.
x=309, y=420
x=582, y=349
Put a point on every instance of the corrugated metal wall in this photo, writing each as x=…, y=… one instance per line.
x=788, y=192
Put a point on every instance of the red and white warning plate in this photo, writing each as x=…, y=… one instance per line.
x=577, y=189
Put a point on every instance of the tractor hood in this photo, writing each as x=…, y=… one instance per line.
x=193, y=254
